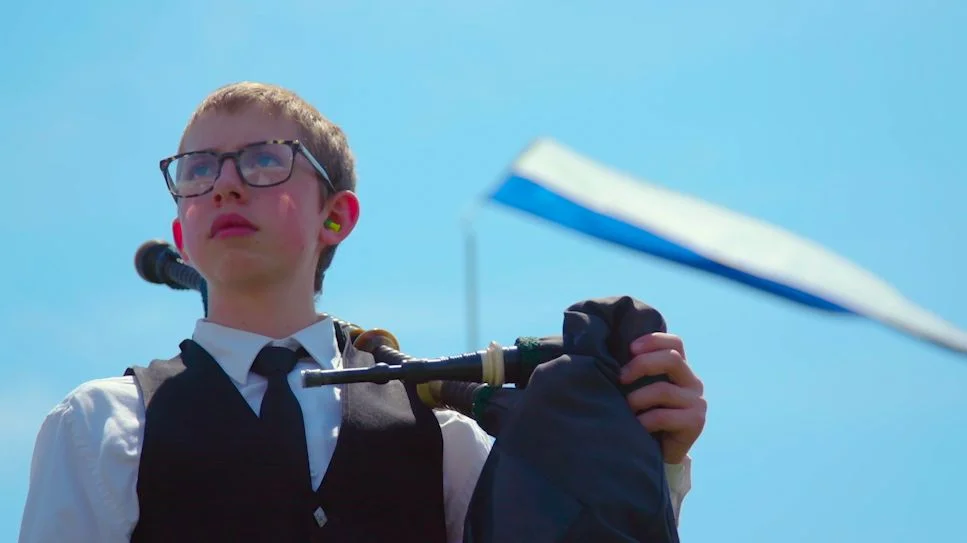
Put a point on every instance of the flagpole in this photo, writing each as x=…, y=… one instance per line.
x=471, y=282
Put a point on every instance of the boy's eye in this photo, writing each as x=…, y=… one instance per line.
x=191, y=168
x=200, y=170
x=265, y=159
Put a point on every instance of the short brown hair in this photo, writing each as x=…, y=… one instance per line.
x=323, y=138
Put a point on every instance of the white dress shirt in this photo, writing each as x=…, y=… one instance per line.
x=84, y=472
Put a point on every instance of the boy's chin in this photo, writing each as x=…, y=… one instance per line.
x=240, y=270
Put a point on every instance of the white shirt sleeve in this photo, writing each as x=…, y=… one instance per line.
x=84, y=469
x=679, y=483
x=465, y=450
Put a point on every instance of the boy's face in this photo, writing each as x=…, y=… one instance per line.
x=285, y=229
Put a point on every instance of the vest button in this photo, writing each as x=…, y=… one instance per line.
x=320, y=516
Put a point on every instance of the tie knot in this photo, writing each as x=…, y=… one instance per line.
x=275, y=361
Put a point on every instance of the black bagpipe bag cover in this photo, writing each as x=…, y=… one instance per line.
x=572, y=463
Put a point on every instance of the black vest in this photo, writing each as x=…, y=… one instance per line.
x=207, y=473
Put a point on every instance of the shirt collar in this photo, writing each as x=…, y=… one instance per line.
x=235, y=350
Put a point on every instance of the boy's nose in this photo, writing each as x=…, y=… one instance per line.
x=228, y=185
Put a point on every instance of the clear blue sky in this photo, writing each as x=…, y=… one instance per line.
x=840, y=121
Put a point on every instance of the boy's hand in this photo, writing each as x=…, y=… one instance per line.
x=676, y=408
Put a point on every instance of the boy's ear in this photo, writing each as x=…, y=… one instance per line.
x=179, y=240
x=341, y=213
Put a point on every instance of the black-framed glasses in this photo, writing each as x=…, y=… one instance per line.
x=262, y=164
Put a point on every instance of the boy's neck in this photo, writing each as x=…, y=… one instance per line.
x=269, y=312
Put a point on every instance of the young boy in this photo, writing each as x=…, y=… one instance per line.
x=221, y=442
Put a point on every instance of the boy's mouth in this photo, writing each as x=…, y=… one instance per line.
x=231, y=225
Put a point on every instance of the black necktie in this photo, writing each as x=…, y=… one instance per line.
x=280, y=410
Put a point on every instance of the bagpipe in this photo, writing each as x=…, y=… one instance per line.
x=569, y=462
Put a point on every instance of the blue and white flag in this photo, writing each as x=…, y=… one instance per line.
x=556, y=184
